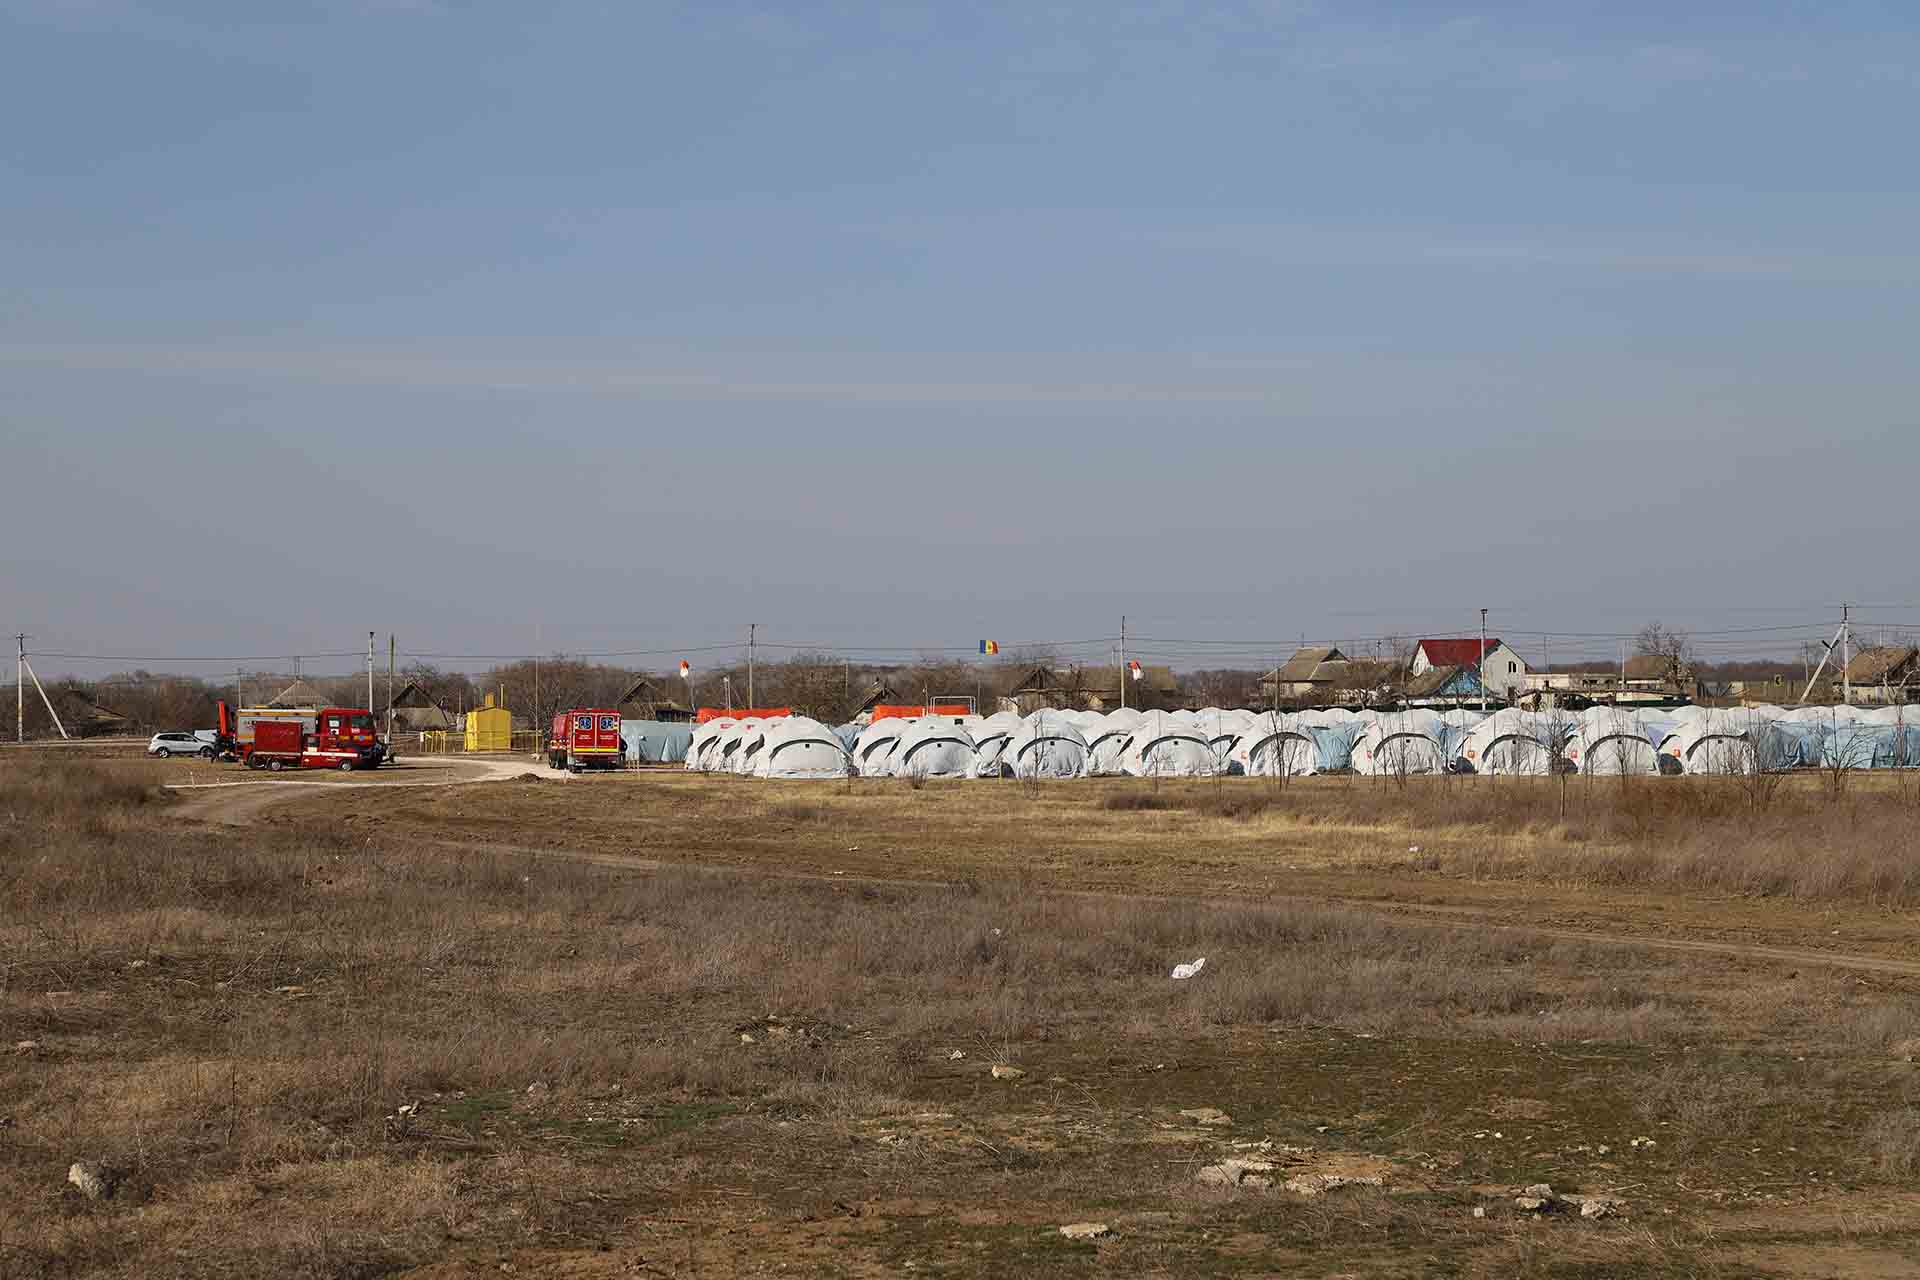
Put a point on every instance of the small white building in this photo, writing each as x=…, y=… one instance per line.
x=1503, y=673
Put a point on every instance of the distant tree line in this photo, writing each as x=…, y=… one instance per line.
x=827, y=687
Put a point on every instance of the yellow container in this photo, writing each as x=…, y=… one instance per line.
x=489, y=728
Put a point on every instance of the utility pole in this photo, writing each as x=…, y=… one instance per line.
x=45, y=701
x=1846, y=656
x=1123, y=662
x=751, y=628
x=20, y=690
x=1483, y=662
x=371, y=704
x=390, y=656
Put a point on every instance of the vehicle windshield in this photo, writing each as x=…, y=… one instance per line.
x=361, y=722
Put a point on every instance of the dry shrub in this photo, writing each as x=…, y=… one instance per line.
x=39, y=795
x=1235, y=804
x=1695, y=1103
x=1128, y=801
x=1887, y=1026
x=1890, y=1142
x=1699, y=833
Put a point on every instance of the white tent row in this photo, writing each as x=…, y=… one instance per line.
x=1604, y=740
x=769, y=747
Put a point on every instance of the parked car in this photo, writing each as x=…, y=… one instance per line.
x=178, y=744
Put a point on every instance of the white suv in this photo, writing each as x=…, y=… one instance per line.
x=178, y=744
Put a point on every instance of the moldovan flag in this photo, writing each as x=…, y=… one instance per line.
x=685, y=670
x=1133, y=669
x=989, y=646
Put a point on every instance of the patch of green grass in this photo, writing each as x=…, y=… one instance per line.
x=477, y=1111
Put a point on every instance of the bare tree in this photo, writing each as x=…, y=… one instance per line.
x=1657, y=639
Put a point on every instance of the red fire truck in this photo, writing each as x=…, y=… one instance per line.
x=586, y=738
x=301, y=737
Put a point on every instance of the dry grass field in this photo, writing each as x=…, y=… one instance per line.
x=659, y=1024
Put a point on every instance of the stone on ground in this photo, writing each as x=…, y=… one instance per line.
x=1086, y=1231
x=96, y=1181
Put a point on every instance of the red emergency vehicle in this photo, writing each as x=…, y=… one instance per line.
x=586, y=738
x=320, y=738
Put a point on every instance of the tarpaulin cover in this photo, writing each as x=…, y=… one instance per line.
x=656, y=741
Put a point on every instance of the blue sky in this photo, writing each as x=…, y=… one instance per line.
x=901, y=325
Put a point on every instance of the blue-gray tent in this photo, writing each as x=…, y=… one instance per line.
x=656, y=741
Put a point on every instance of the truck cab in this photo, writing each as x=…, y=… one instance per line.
x=586, y=738
x=302, y=737
x=347, y=737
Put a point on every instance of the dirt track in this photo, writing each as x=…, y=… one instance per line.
x=236, y=802
x=242, y=802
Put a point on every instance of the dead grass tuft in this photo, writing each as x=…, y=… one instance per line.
x=798, y=811
x=1132, y=800
x=1890, y=1142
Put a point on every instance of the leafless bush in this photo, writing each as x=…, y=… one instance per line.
x=798, y=811
x=1696, y=1104
x=1890, y=1142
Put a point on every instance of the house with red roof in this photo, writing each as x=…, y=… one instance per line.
x=1503, y=673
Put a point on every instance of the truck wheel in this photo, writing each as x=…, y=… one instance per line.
x=164, y=754
x=276, y=765
x=346, y=766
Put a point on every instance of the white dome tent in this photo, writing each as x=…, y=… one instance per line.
x=1335, y=731
x=874, y=745
x=1661, y=725
x=1107, y=739
x=1511, y=742
x=1455, y=724
x=1047, y=745
x=1223, y=730
x=799, y=747
x=1610, y=742
x=703, y=752
x=990, y=738
x=932, y=747
x=1163, y=747
x=1717, y=743
x=740, y=749
x=726, y=747
x=1904, y=721
x=1402, y=743
x=1276, y=745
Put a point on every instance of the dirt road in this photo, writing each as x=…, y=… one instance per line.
x=239, y=800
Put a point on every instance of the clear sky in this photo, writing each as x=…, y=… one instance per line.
x=902, y=325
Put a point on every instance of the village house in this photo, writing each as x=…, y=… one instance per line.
x=1311, y=674
x=1443, y=687
x=1882, y=675
x=1498, y=668
x=1644, y=678
x=1092, y=689
x=413, y=710
x=647, y=700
